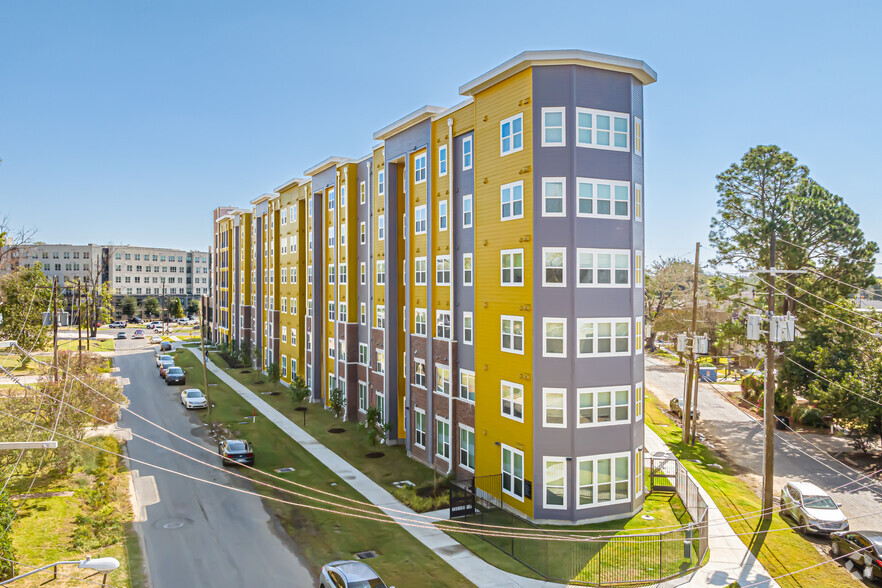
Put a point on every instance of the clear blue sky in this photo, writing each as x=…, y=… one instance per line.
x=127, y=122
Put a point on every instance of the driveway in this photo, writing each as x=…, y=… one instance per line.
x=740, y=436
x=195, y=534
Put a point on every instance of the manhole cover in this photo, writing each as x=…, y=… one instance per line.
x=648, y=518
x=173, y=525
x=284, y=470
x=366, y=554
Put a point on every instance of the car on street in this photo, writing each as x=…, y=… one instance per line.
x=165, y=346
x=153, y=324
x=175, y=375
x=121, y=335
x=677, y=405
x=134, y=321
x=117, y=325
x=349, y=574
x=233, y=451
x=160, y=357
x=193, y=398
x=154, y=339
x=812, y=509
x=164, y=367
x=864, y=548
x=139, y=334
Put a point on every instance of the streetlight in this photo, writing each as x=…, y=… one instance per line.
x=101, y=564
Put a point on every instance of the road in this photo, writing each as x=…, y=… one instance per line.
x=740, y=437
x=195, y=534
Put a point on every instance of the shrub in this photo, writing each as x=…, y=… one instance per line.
x=808, y=416
x=337, y=402
x=751, y=388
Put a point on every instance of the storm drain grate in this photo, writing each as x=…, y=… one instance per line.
x=366, y=554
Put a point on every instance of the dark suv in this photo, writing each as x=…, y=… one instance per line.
x=175, y=375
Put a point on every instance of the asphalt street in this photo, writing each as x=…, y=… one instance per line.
x=740, y=437
x=195, y=534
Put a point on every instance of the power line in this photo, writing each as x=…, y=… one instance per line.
x=850, y=310
x=827, y=256
x=799, y=571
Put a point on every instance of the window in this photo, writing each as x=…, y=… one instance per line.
x=381, y=227
x=381, y=182
x=554, y=261
x=362, y=233
x=381, y=272
x=638, y=202
x=467, y=385
x=442, y=438
x=467, y=211
x=512, y=472
x=638, y=136
x=554, y=407
x=284, y=334
x=342, y=312
x=381, y=316
x=342, y=196
x=362, y=192
x=512, y=400
x=419, y=220
x=332, y=241
x=638, y=471
x=419, y=373
x=554, y=341
x=362, y=389
x=604, y=479
x=512, y=267
x=602, y=129
x=341, y=354
x=467, y=272
x=511, y=134
x=331, y=194
x=442, y=324
x=638, y=269
x=442, y=215
x=604, y=268
x=342, y=235
x=467, y=447
x=638, y=401
x=381, y=362
x=419, y=271
x=554, y=127
x=604, y=336
x=512, y=200
x=603, y=198
x=467, y=153
x=442, y=380
x=442, y=160
x=331, y=273
x=468, y=328
x=513, y=334
x=638, y=336
x=381, y=406
x=362, y=313
x=362, y=273
x=598, y=406
x=442, y=270
x=342, y=274
x=554, y=196
x=331, y=349
x=555, y=482
x=419, y=428
x=284, y=305
x=419, y=321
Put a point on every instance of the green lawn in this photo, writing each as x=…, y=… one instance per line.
x=94, y=345
x=321, y=536
x=780, y=552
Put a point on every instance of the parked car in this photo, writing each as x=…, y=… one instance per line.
x=812, y=509
x=139, y=334
x=194, y=398
x=121, y=335
x=154, y=339
x=164, y=367
x=868, y=548
x=182, y=321
x=175, y=375
x=134, y=321
x=153, y=324
x=349, y=574
x=117, y=325
x=676, y=405
x=165, y=346
x=234, y=451
x=160, y=357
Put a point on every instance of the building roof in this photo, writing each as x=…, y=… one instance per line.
x=262, y=198
x=404, y=123
x=292, y=183
x=527, y=59
x=332, y=161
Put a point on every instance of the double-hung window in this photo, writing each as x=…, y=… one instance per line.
x=442, y=160
x=638, y=202
x=512, y=200
x=362, y=273
x=603, y=198
x=604, y=337
x=512, y=267
x=419, y=321
x=332, y=315
x=381, y=183
x=512, y=472
x=467, y=211
x=604, y=479
x=511, y=134
x=362, y=193
x=554, y=127
x=512, y=400
x=419, y=168
x=555, y=481
x=381, y=362
x=419, y=220
x=362, y=313
x=442, y=270
x=381, y=227
x=331, y=273
x=468, y=328
x=381, y=316
x=467, y=153
x=467, y=447
x=362, y=232
x=638, y=136
x=467, y=385
x=554, y=192
x=600, y=406
x=638, y=268
x=638, y=401
x=442, y=215
x=442, y=380
x=363, y=353
x=342, y=235
x=332, y=241
x=467, y=271
x=362, y=397
x=419, y=428
x=342, y=273
x=554, y=262
x=638, y=335
x=513, y=334
x=442, y=324
x=331, y=195
x=554, y=407
x=420, y=271
x=442, y=439
x=602, y=129
x=419, y=373
x=554, y=339
x=604, y=268
x=331, y=350
x=381, y=272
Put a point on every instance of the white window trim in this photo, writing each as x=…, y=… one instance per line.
x=595, y=253
x=424, y=169
x=366, y=396
x=563, y=283
x=471, y=258
x=545, y=422
x=612, y=321
x=563, y=112
x=377, y=273
x=593, y=144
x=443, y=216
x=472, y=431
x=468, y=198
x=440, y=419
x=513, y=318
x=459, y=385
x=503, y=447
x=563, y=181
x=612, y=184
x=511, y=119
x=425, y=314
x=511, y=252
x=545, y=460
x=545, y=321
x=523, y=403
x=440, y=259
x=470, y=341
x=612, y=407
x=595, y=459
x=513, y=216
x=471, y=152
x=381, y=227
x=445, y=159
x=425, y=420
x=422, y=362
x=416, y=219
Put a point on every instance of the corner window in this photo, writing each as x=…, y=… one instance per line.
x=512, y=200
x=603, y=198
x=604, y=268
x=511, y=134
x=604, y=337
x=555, y=481
x=419, y=168
x=554, y=340
x=512, y=267
x=554, y=261
x=553, y=127
x=442, y=215
x=604, y=406
x=513, y=334
x=602, y=129
x=467, y=153
x=419, y=220
x=442, y=160
x=467, y=211
x=554, y=196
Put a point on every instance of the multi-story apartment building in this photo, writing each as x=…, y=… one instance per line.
x=477, y=278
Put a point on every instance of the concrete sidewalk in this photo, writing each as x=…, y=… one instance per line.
x=730, y=560
x=475, y=569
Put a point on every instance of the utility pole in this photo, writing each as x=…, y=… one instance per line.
x=162, y=308
x=769, y=398
x=204, y=368
x=55, y=327
x=687, y=409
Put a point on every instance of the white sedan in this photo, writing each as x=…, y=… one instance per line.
x=193, y=398
x=155, y=339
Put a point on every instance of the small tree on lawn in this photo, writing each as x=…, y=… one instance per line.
x=373, y=425
x=175, y=309
x=258, y=357
x=151, y=306
x=298, y=390
x=193, y=307
x=274, y=371
x=337, y=402
x=7, y=513
x=128, y=306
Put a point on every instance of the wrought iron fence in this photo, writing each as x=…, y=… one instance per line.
x=602, y=560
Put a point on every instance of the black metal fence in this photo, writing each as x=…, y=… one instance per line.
x=600, y=560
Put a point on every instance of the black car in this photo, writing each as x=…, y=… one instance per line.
x=234, y=451
x=165, y=346
x=175, y=375
x=864, y=549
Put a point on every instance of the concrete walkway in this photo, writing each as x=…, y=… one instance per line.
x=730, y=560
x=475, y=569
